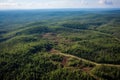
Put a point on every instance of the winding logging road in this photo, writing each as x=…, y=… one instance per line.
x=68, y=55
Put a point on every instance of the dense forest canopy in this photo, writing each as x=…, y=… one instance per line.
x=63, y=44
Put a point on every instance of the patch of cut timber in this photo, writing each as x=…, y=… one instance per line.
x=53, y=51
x=64, y=61
x=86, y=69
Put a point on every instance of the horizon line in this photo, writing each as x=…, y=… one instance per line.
x=56, y=8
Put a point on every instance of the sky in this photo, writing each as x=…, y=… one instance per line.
x=48, y=4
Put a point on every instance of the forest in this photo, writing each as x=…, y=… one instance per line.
x=60, y=44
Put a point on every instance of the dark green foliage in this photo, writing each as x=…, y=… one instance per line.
x=67, y=74
x=57, y=58
x=78, y=25
x=107, y=73
x=33, y=30
x=25, y=66
x=98, y=50
x=28, y=40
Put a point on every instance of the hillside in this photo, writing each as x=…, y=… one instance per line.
x=59, y=44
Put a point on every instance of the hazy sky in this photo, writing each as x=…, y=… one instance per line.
x=42, y=4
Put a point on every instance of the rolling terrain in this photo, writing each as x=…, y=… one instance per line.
x=60, y=44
